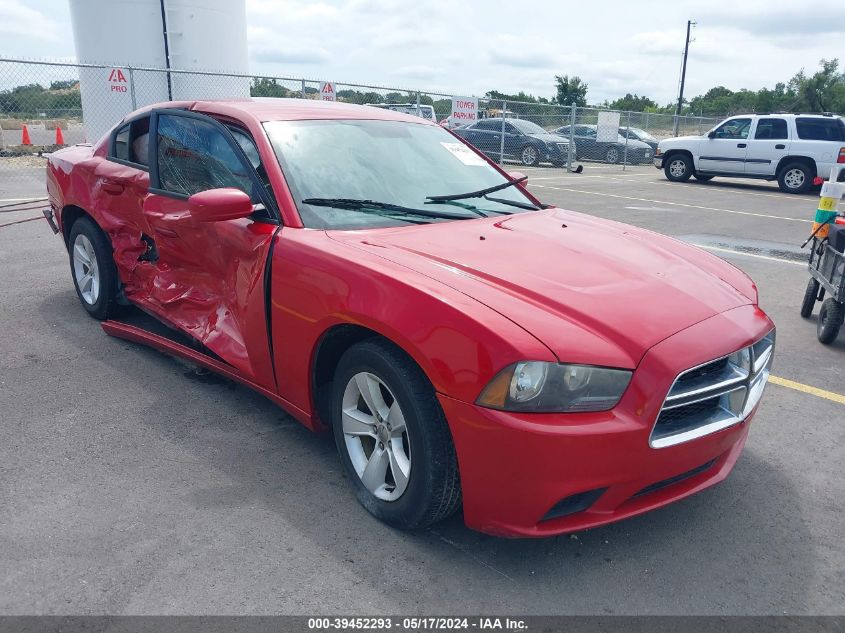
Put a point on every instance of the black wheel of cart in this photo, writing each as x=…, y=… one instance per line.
x=811, y=295
x=830, y=320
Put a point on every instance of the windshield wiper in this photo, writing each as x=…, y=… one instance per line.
x=480, y=193
x=362, y=205
x=514, y=203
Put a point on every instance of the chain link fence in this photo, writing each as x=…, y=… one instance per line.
x=46, y=105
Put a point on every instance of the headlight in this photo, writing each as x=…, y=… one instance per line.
x=658, y=152
x=541, y=387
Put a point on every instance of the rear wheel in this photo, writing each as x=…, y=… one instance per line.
x=703, y=177
x=795, y=178
x=678, y=168
x=830, y=320
x=811, y=295
x=93, y=270
x=393, y=438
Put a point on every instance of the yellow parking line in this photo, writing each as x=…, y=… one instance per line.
x=813, y=391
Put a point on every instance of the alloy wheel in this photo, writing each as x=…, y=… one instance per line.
x=613, y=155
x=376, y=436
x=86, y=270
x=794, y=178
x=677, y=168
x=529, y=155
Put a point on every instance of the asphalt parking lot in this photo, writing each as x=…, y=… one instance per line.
x=132, y=483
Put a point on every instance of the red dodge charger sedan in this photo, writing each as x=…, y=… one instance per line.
x=374, y=275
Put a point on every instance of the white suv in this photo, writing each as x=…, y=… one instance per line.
x=790, y=148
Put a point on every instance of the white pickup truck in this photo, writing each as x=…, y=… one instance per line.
x=790, y=148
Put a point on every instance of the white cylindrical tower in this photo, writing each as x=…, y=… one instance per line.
x=207, y=35
x=126, y=35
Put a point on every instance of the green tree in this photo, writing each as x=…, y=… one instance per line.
x=570, y=90
x=264, y=87
x=632, y=102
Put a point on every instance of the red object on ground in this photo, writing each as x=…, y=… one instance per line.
x=268, y=302
x=25, y=140
x=818, y=180
x=60, y=138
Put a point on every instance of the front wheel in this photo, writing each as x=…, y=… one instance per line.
x=830, y=320
x=795, y=178
x=612, y=155
x=93, y=270
x=678, y=168
x=393, y=438
x=529, y=156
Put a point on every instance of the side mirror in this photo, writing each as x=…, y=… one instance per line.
x=217, y=205
x=516, y=175
x=711, y=134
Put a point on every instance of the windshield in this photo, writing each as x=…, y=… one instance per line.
x=641, y=134
x=527, y=127
x=391, y=162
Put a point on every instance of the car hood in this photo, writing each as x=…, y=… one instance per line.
x=549, y=138
x=634, y=143
x=593, y=291
x=679, y=140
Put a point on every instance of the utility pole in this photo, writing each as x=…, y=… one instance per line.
x=690, y=24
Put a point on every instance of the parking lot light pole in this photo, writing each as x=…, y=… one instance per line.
x=690, y=23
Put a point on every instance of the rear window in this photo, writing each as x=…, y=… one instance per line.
x=820, y=129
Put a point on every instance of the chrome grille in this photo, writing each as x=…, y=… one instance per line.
x=714, y=395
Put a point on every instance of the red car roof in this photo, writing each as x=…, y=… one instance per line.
x=277, y=109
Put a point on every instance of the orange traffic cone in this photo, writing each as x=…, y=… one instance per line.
x=60, y=138
x=25, y=140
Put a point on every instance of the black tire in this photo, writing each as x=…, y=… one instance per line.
x=106, y=304
x=703, y=177
x=811, y=295
x=529, y=155
x=433, y=490
x=789, y=180
x=678, y=167
x=613, y=155
x=830, y=320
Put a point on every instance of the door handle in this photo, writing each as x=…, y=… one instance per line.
x=112, y=187
x=742, y=145
x=780, y=146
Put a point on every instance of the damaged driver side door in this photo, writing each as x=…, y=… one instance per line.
x=206, y=272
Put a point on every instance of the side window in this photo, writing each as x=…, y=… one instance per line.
x=511, y=129
x=131, y=142
x=193, y=156
x=820, y=129
x=487, y=124
x=121, y=143
x=771, y=129
x=734, y=129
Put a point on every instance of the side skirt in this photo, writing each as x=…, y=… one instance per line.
x=139, y=335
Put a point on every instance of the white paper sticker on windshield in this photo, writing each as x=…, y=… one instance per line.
x=464, y=154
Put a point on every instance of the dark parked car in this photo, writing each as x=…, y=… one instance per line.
x=637, y=134
x=608, y=151
x=525, y=141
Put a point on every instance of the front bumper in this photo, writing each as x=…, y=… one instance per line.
x=515, y=468
x=658, y=162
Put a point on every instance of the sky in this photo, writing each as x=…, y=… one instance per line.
x=469, y=47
